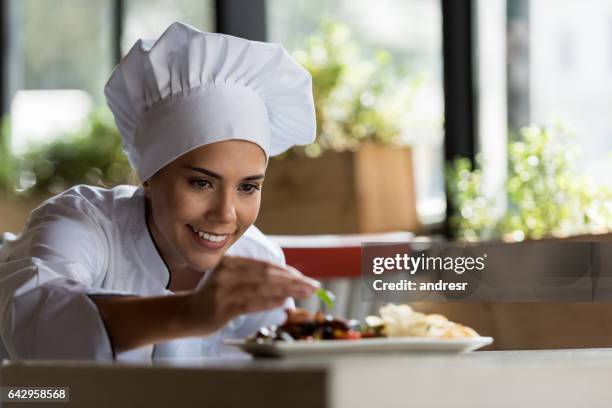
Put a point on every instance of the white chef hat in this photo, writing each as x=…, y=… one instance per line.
x=190, y=88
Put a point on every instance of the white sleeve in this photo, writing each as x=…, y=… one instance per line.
x=45, y=278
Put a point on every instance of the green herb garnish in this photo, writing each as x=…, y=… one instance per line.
x=327, y=297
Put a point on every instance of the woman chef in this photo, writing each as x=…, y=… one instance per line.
x=172, y=267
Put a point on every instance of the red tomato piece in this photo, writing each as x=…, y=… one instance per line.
x=351, y=335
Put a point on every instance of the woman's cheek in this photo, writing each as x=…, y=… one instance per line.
x=182, y=202
x=249, y=211
x=188, y=210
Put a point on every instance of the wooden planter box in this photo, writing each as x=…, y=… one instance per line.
x=370, y=190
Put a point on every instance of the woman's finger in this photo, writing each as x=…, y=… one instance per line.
x=254, y=290
x=260, y=267
x=295, y=272
x=267, y=274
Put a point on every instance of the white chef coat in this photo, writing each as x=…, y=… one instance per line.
x=90, y=240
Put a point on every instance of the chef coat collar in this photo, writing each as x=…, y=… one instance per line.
x=145, y=246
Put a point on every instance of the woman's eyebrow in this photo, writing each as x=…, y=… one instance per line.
x=204, y=171
x=253, y=178
x=218, y=176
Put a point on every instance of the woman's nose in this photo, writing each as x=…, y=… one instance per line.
x=223, y=209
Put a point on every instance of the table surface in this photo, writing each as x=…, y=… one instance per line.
x=559, y=378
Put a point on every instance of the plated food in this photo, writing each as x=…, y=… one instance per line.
x=397, y=329
x=394, y=321
x=402, y=321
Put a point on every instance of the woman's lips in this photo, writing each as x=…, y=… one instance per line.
x=204, y=243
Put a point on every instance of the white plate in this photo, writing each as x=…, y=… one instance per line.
x=375, y=345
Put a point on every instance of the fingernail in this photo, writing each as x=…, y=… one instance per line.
x=313, y=282
x=308, y=280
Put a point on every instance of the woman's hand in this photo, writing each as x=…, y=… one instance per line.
x=236, y=286
x=241, y=285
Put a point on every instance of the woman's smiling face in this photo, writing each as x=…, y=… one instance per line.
x=202, y=202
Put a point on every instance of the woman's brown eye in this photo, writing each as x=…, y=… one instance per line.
x=201, y=184
x=249, y=188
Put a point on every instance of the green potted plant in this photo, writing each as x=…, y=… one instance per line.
x=547, y=197
x=91, y=156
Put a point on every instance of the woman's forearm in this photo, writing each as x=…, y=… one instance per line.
x=228, y=292
x=139, y=321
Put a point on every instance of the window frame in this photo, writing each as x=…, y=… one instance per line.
x=460, y=113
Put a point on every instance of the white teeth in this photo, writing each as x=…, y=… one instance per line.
x=207, y=236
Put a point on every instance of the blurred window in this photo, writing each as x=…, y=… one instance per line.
x=148, y=18
x=558, y=73
x=62, y=44
x=574, y=87
x=57, y=112
x=543, y=76
x=61, y=55
x=411, y=31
